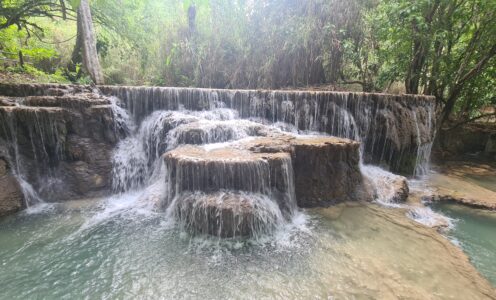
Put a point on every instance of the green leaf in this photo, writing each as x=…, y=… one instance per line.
x=74, y=3
x=186, y=4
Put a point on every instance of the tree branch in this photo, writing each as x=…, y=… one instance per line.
x=471, y=120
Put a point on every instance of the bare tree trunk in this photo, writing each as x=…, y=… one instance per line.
x=192, y=20
x=76, y=57
x=90, y=56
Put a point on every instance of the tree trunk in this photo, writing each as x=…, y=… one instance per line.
x=76, y=57
x=192, y=20
x=90, y=56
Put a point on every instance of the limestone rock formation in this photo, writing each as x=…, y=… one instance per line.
x=466, y=183
x=400, y=185
x=196, y=169
x=63, y=138
x=467, y=140
x=11, y=197
x=385, y=187
x=62, y=141
x=396, y=130
x=227, y=214
x=228, y=191
x=233, y=190
x=205, y=132
x=327, y=171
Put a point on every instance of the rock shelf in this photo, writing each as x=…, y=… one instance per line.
x=284, y=170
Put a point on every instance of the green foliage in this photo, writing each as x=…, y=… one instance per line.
x=74, y=3
x=442, y=48
x=37, y=75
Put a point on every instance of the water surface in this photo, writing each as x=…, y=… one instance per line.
x=118, y=248
x=475, y=231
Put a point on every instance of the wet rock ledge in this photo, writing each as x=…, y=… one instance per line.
x=11, y=197
x=396, y=130
x=61, y=140
x=232, y=191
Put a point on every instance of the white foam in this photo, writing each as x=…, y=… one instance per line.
x=428, y=217
x=383, y=183
x=40, y=208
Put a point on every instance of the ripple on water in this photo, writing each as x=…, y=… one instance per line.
x=102, y=250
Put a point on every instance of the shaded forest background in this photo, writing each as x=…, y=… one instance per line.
x=444, y=48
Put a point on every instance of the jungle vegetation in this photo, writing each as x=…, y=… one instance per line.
x=444, y=48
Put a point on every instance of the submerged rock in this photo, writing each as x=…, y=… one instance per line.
x=463, y=187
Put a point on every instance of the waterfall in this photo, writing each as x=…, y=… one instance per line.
x=31, y=197
x=380, y=122
x=43, y=142
x=245, y=194
x=228, y=192
x=234, y=213
x=365, y=118
x=384, y=184
x=423, y=151
x=34, y=137
x=136, y=158
x=215, y=177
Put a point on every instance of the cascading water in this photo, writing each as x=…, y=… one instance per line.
x=157, y=120
x=245, y=205
x=43, y=144
x=230, y=164
x=379, y=120
x=137, y=157
x=424, y=151
x=34, y=139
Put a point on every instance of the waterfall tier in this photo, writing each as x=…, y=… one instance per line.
x=226, y=163
x=207, y=132
x=248, y=187
x=229, y=192
x=228, y=214
x=61, y=144
x=395, y=130
x=196, y=169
